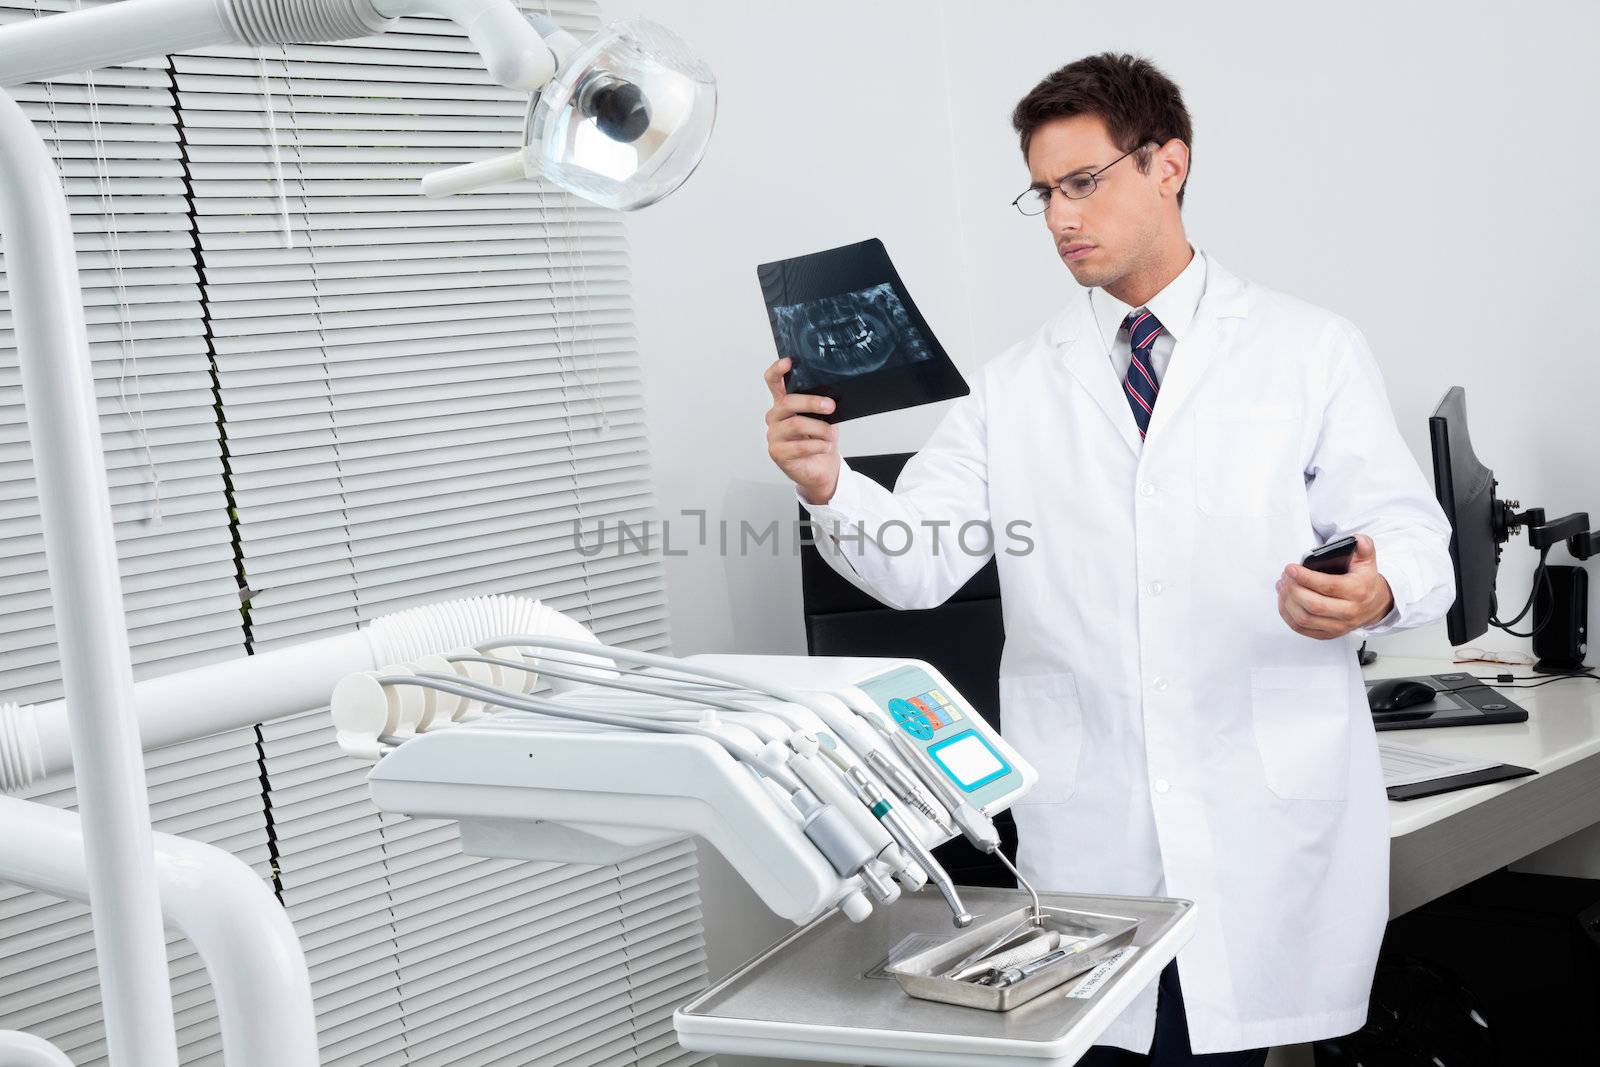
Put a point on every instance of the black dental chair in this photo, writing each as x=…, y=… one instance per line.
x=961, y=638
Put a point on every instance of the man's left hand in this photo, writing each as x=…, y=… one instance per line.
x=1326, y=606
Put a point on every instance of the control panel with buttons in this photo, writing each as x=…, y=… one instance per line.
x=952, y=735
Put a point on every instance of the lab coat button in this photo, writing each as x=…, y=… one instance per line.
x=1156, y=588
x=1162, y=785
x=1160, y=685
x=1147, y=489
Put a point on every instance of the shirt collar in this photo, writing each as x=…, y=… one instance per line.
x=1174, y=306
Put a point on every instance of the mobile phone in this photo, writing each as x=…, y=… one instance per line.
x=1332, y=558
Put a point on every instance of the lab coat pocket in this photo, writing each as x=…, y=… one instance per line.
x=1042, y=717
x=1244, y=460
x=1302, y=728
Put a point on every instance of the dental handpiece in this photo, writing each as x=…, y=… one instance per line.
x=906, y=836
x=975, y=826
x=830, y=831
x=832, y=788
x=908, y=790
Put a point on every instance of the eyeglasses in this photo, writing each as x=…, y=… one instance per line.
x=1478, y=655
x=1034, y=199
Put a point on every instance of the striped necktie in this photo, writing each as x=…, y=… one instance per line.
x=1140, y=385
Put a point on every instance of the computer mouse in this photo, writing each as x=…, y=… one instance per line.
x=1396, y=694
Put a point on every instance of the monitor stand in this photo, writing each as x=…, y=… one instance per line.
x=1462, y=700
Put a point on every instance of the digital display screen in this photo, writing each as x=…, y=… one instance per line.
x=969, y=761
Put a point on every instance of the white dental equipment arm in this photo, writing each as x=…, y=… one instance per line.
x=811, y=806
x=826, y=824
x=512, y=50
x=861, y=783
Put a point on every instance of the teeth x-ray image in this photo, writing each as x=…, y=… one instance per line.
x=853, y=333
x=845, y=336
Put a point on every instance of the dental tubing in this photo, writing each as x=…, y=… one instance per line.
x=832, y=811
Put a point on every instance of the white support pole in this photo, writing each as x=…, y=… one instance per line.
x=244, y=937
x=80, y=551
x=24, y=1050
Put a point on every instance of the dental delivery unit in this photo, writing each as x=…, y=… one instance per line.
x=825, y=783
x=822, y=793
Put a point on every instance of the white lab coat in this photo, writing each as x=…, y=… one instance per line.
x=1189, y=743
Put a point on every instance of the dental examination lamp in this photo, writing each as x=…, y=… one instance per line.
x=621, y=120
x=623, y=123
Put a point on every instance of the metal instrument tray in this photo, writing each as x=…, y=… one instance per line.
x=821, y=994
x=922, y=974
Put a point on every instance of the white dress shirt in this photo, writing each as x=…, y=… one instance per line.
x=1173, y=307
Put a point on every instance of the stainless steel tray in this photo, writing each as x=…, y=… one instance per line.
x=817, y=995
x=923, y=973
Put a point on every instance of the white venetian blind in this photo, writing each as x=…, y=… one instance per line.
x=421, y=400
x=116, y=141
x=422, y=397
x=117, y=145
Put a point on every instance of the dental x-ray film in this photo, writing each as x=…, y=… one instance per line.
x=853, y=333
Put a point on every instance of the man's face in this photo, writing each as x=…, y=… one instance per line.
x=1113, y=231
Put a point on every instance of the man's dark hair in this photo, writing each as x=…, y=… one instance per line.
x=1137, y=102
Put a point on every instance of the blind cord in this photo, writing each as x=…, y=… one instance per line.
x=272, y=146
x=574, y=259
x=129, y=365
x=290, y=96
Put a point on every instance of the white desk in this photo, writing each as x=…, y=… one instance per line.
x=1443, y=842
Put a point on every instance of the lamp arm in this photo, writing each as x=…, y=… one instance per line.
x=62, y=44
x=512, y=50
x=57, y=45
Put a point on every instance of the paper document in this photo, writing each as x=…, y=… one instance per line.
x=1404, y=765
x=1087, y=986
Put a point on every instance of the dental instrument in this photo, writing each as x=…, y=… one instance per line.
x=907, y=838
x=1011, y=973
x=1031, y=946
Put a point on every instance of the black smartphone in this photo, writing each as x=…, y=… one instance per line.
x=1332, y=558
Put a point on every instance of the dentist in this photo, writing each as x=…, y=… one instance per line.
x=1171, y=441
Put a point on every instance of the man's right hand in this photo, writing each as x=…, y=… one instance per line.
x=804, y=448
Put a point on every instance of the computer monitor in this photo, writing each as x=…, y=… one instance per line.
x=1465, y=488
x=1478, y=526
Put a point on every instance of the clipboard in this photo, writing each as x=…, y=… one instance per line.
x=1417, y=790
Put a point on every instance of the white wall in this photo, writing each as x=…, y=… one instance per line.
x=1423, y=169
